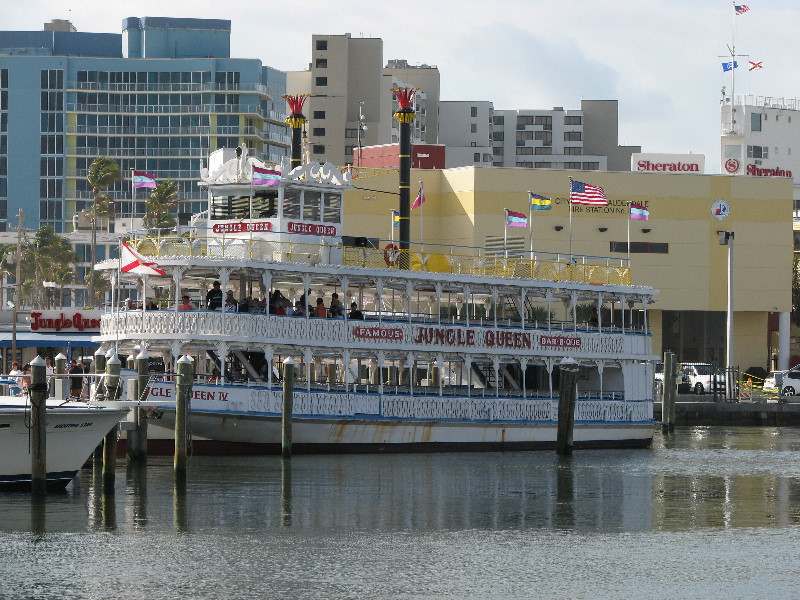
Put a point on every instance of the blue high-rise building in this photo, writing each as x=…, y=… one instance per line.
x=156, y=98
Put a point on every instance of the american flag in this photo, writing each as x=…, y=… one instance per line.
x=583, y=193
x=741, y=8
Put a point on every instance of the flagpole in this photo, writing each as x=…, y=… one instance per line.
x=530, y=221
x=421, y=219
x=505, y=235
x=629, y=234
x=570, y=219
x=733, y=67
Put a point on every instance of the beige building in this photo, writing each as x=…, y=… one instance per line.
x=676, y=251
x=351, y=102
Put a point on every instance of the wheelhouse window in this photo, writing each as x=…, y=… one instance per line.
x=332, y=208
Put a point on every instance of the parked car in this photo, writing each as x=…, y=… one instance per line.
x=703, y=377
x=681, y=380
x=787, y=382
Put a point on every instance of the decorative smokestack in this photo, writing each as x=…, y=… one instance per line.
x=296, y=120
x=405, y=115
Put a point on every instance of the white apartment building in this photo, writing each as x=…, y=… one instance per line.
x=351, y=102
x=762, y=139
x=465, y=128
x=585, y=139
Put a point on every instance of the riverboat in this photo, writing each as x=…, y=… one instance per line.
x=73, y=431
x=446, y=348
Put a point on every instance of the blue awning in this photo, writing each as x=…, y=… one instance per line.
x=30, y=339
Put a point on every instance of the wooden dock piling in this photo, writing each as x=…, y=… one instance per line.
x=567, y=392
x=286, y=418
x=38, y=392
x=137, y=437
x=183, y=394
x=668, y=394
x=112, y=389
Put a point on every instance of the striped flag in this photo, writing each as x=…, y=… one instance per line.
x=395, y=219
x=540, y=202
x=266, y=176
x=515, y=219
x=143, y=180
x=420, y=199
x=585, y=194
x=133, y=262
x=639, y=212
x=740, y=8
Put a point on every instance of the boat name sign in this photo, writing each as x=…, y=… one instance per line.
x=311, y=228
x=242, y=227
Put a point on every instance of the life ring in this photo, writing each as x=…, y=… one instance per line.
x=391, y=254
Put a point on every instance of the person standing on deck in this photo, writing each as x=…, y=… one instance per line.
x=214, y=297
x=75, y=380
x=354, y=312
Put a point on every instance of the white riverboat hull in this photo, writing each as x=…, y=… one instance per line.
x=365, y=435
x=364, y=422
x=73, y=431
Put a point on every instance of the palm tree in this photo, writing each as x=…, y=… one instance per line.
x=103, y=173
x=157, y=215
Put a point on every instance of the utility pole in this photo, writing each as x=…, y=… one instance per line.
x=16, y=288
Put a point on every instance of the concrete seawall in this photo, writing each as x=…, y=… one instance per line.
x=733, y=413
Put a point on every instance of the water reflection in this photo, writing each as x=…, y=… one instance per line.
x=693, y=479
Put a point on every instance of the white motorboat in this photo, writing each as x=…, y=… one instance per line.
x=73, y=431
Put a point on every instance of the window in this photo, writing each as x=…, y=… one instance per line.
x=641, y=247
x=545, y=136
x=318, y=149
x=544, y=150
x=321, y=63
x=473, y=144
x=572, y=120
x=521, y=150
x=733, y=151
x=321, y=81
x=572, y=165
x=542, y=165
x=351, y=133
x=318, y=132
x=573, y=136
x=322, y=44
x=755, y=121
x=573, y=150
x=523, y=122
x=473, y=111
x=757, y=152
x=591, y=166
x=476, y=157
x=498, y=136
x=473, y=128
x=523, y=136
x=497, y=151
x=319, y=114
x=499, y=120
x=525, y=165
x=545, y=121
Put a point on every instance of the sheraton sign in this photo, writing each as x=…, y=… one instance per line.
x=668, y=163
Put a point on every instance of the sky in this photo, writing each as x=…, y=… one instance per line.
x=660, y=59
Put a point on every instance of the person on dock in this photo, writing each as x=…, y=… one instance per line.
x=354, y=312
x=214, y=297
x=16, y=376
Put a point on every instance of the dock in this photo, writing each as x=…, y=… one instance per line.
x=694, y=410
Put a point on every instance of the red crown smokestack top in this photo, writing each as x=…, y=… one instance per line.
x=405, y=115
x=405, y=96
x=296, y=121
